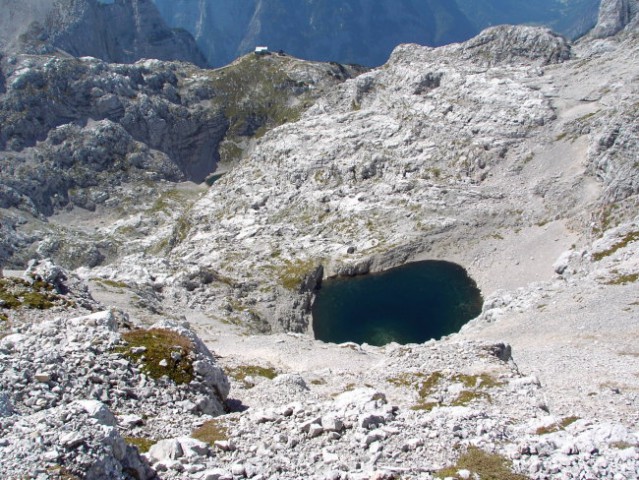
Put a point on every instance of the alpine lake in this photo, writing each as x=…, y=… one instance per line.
x=409, y=304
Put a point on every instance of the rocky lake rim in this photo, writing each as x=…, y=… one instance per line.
x=411, y=303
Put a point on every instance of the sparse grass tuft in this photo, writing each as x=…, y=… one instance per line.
x=292, y=273
x=555, y=427
x=143, y=444
x=467, y=396
x=621, y=445
x=110, y=283
x=488, y=466
x=628, y=238
x=426, y=385
x=211, y=431
x=624, y=279
x=17, y=293
x=60, y=472
x=160, y=346
x=483, y=380
x=240, y=373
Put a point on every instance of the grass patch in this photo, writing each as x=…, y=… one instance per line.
x=240, y=373
x=426, y=385
x=17, y=293
x=489, y=466
x=624, y=279
x=61, y=473
x=142, y=444
x=555, y=427
x=482, y=380
x=476, y=385
x=628, y=238
x=621, y=445
x=292, y=274
x=110, y=283
x=160, y=353
x=211, y=431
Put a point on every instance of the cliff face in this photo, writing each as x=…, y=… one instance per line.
x=614, y=16
x=358, y=31
x=119, y=31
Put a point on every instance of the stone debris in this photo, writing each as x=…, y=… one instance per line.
x=62, y=379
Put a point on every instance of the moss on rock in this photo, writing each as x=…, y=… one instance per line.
x=160, y=353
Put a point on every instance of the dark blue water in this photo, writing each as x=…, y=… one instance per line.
x=408, y=304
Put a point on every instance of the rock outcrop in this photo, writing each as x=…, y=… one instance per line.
x=116, y=31
x=614, y=16
x=80, y=384
x=84, y=133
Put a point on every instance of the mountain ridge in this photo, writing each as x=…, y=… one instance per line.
x=358, y=31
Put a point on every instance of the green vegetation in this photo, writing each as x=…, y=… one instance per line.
x=293, y=272
x=110, y=283
x=211, y=431
x=555, y=427
x=482, y=380
x=142, y=444
x=256, y=93
x=489, y=466
x=426, y=385
x=241, y=372
x=624, y=279
x=467, y=396
x=155, y=347
x=628, y=238
x=17, y=293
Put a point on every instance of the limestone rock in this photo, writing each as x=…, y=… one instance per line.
x=513, y=44
x=99, y=411
x=614, y=16
x=118, y=32
x=170, y=449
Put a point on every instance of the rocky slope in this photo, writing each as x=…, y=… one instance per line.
x=115, y=31
x=84, y=133
x=90, y=395
x=358, y=31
